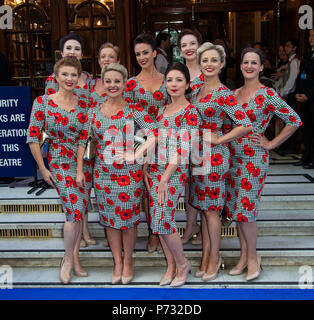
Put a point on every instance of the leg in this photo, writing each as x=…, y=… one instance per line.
x=86, y=234
x=205, y=247
x=242, y=263
x=174, y=244
x=152, y=239
x=71, y=232
x=128, y=241
x=249, y=230
x=114, y=237
x=214, y=230
x=79, y=271
x=191, y=215
x=171, y=264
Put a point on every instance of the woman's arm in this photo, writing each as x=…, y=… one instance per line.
x=80, y=177
x=263, y=142
x=163, y=184
x=234, y=134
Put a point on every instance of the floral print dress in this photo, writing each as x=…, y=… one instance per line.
x=209, y=178
x=135, y=93
x=66, y=131
x=118, y=187
x=250, y=163
x=83, y=92
x=174, y=136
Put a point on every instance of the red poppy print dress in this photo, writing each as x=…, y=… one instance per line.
x=174, y=136
x=66, y=130
x=83, y=92
x=94, y=97
x=118, y=187
x=250, y=163
x=135, y=93
x=209, y=178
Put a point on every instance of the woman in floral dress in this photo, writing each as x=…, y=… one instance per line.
x=71, y=46
x=250, y=156
x=189, y=41
x=214, y=102
x=108, y=53
x=169, y=172
x=148, y=88
x=118, y=185
x=63, y=116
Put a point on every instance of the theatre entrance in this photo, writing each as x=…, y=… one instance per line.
x=32, y=46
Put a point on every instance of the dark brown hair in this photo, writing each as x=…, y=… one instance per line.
x=194, y=33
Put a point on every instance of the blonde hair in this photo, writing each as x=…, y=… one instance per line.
x=210, y=46
x=110, y=45
x=115, y=67
x=68, y=62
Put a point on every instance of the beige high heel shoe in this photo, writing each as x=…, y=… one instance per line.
x=196, y=230
x=236, y=271
x=176, y=282
x=199, y=273
x=65, y=279
x=80, y=272
x=256, y=274
x=91, y=241
x=212, y=276
x=115, y=279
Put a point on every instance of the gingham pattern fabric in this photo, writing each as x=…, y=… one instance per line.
x=65, y=130
x=135, y=93
x=118, y=187
x=208, y=187
x=94, y=96
x=162, y=216
x=250, y=163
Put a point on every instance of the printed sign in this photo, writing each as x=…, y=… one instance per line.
x=16, y=159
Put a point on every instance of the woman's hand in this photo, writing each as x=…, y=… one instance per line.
x=211, y=137
x=261, y=141
x=162, y=192
x=146, y=176
x=301, y=98
x=48, y=177
x=80, y=179
x=127, y=156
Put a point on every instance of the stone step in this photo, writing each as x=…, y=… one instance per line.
x=280, y=250
x=277, y=277
x=270, y=222
x=55, y=230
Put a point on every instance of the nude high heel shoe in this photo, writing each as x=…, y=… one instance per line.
x=212, y=276
x=256, y=274
x=196, y=230
x=176, y=282
x=236, y=271
x=199, y=273
x=65, y=279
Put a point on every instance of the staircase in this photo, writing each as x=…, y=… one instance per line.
x=31, y=229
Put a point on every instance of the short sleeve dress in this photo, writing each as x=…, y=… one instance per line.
x=82, y=92
x=209, y=177
x=174, y=136
x=135, y=93
x=118, y=187
x=250, y=163
x=66, y=130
